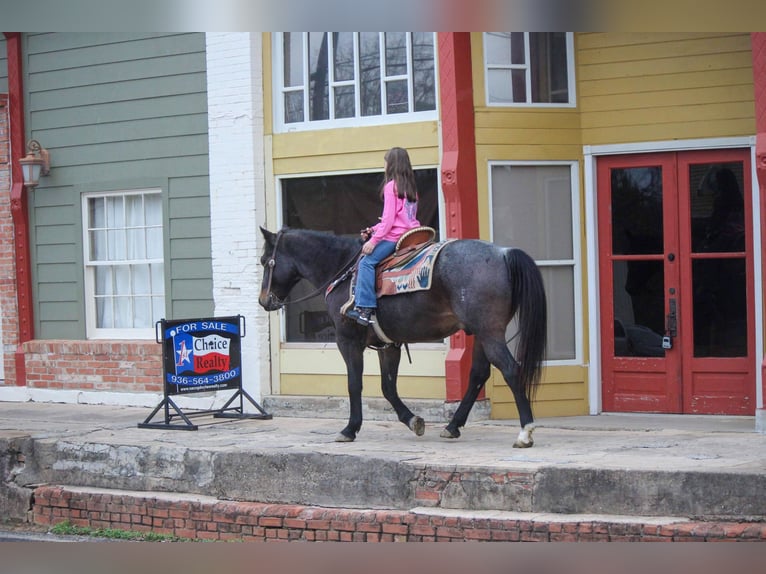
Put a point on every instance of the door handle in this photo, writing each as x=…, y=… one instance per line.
x=671, y=324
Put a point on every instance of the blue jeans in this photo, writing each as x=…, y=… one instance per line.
x=365, y=278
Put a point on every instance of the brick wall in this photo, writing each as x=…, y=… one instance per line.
x=124, y=366
x=210, y=519
x=10, y=327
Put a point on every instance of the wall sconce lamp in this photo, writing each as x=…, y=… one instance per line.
x=35, y=164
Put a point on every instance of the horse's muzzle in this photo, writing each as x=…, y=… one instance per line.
x=270, y=302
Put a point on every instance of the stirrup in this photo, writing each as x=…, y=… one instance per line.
x=363, y=316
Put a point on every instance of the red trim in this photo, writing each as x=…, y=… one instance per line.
x=19, y=211
x=758, y=43
x=458, y=176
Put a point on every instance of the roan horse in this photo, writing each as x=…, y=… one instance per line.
x=476, y=286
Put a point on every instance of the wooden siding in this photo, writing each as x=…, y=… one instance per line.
x=663, y=86
x=117, y=112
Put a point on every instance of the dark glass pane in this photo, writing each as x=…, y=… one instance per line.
x=343, y=56
x=720, y=307
x=341, y=204
x=293, y=107
x=639, y=308
x=637, y=211
x=519, y=85
x=396, y=53
x=518, y=55
x=318, y=77
x=344, y=102
x=369, y=71
x=548, y=67
x=424, y=84
x=717, y=207
x=396, y=97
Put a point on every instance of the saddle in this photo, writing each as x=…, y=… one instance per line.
x=408, y=246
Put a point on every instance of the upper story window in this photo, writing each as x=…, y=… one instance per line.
x=124, y=264
x=332, y=79
x=529, y=68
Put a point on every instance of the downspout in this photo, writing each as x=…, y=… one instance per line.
x=758, y=42
x=19, y=208
x=458, y=176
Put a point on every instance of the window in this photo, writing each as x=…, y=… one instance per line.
x=529, y=68
x=366, y=77
x=340, y=204
x=124, y=270
x=534, y=208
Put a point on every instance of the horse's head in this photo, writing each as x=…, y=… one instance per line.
x=280, y=274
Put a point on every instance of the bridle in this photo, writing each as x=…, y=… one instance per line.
x=271, y=263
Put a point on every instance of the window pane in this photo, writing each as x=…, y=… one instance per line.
x=396, y=97
x=103, y=280
x=141, y=281
x=518, y=54
x=319, y=108
x=497, y=46
x=116, y=245
x=341, y=204
x=559, y=292
x=153, y=209
x=292, y=49
x=519, y=81
x=157, y=274
x=369, y=70
x=532, y=210
x=293, y=107
x=548, y=67
x=637, y=211
x=396, y=53
x=134, y=210
x=424, y=84
x=154, y=243
x=136, y=244
x=142, y=312
x=343, y=56
x=115, y=214
x=104, y=315
x=717, y=207
x=499, y=86
x=97, y=245
x=720, y=307
x=344, y=102
x=97, y=213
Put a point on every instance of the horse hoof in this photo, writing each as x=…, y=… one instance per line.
x=417, y=425
x=446, y=433
x=343, y=438
x=525, y=440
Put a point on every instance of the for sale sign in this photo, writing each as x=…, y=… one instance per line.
x=202, y=354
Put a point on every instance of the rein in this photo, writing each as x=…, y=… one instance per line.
x=337, y=277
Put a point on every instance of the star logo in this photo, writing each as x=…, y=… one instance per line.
x=183, y=355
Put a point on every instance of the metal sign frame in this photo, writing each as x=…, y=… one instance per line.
x=201, y=355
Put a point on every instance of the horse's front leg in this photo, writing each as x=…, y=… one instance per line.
x=353, y=354
x=389, y=371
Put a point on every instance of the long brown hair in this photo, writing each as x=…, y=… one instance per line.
x=399, y=168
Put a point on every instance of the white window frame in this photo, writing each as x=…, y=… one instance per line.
x=357, y=120
x=571, y=86
x=92, y=331
x=575, y=262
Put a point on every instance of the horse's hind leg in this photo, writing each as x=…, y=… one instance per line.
x=389, y=371
x=499, y=355
x=476, y=380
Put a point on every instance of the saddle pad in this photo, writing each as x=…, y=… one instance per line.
x=413, y=275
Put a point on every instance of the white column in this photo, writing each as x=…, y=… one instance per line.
x=237, y=192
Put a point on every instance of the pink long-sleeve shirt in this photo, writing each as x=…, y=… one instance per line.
x=399, y=216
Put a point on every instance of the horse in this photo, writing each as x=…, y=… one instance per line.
x=477, y=287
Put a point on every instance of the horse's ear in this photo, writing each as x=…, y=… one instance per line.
x=268, y=235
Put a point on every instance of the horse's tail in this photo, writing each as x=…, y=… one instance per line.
x=528, y=299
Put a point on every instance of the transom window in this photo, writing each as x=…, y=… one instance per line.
x=534, y=208
x=124, y=267
x=529, y=68
x=337, y=77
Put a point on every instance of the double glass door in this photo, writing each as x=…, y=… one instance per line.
x=676, y=272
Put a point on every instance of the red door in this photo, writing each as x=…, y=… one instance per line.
x=676, y=273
